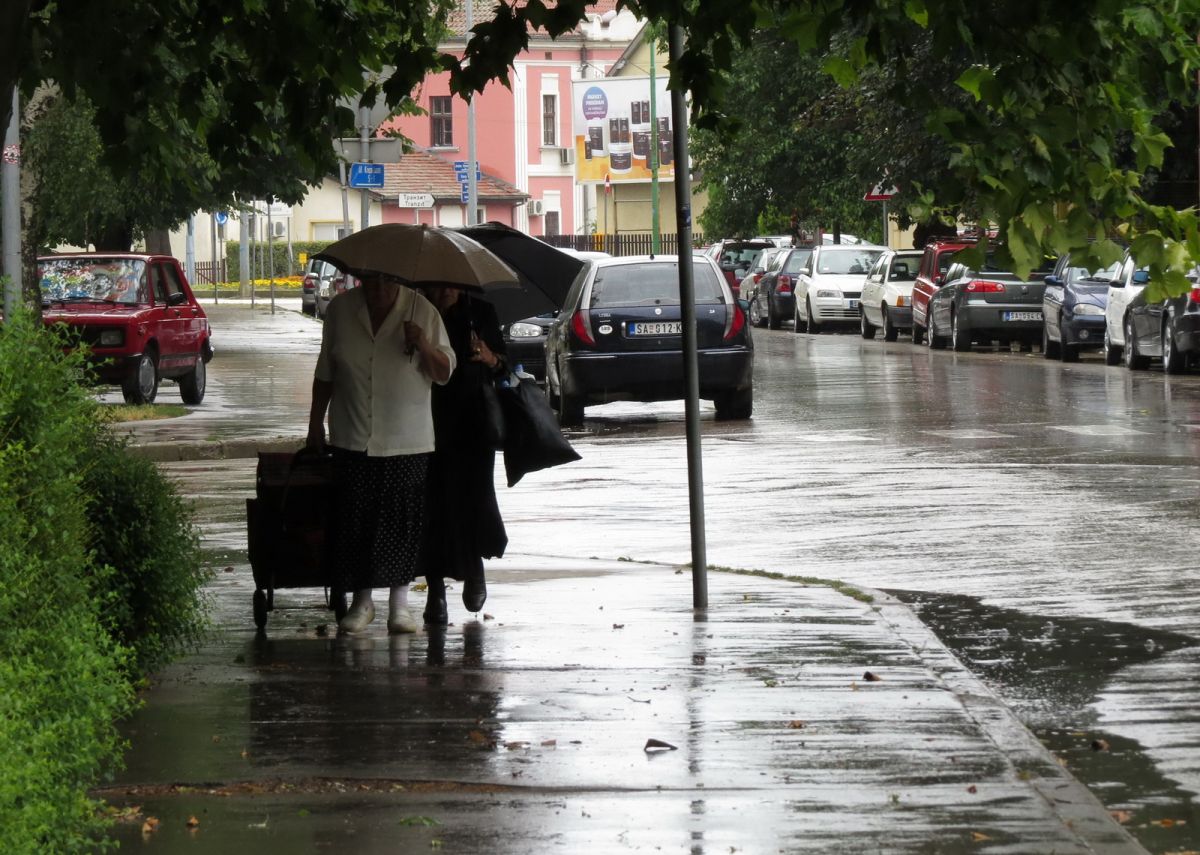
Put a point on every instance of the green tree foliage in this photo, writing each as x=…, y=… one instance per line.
x=62, y=677
x=1055, y=90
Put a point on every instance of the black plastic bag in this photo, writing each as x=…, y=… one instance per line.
x=533, y=440
x=493, y=427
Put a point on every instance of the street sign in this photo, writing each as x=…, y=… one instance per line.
x=466, y=193
x=222, y=217
x=415, y=200
x=879, y=194
x=460, y=170
x=365, y=176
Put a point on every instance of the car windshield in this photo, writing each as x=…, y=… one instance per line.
x=651, y=284
x=110, y=280
x=1077, y=275
x=903, y=268
x=797, y=260
x=847, y=261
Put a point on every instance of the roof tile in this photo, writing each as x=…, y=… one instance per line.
x=422, y=171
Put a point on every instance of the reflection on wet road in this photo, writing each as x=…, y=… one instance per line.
x=1060, y=499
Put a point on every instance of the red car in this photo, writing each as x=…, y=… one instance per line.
x=931, y=275
x=138, y=316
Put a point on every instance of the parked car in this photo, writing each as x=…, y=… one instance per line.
x=986, y=305
x=748, y=285
x=1127, y=284
x=619, y=338
x=317, y=288
x=772, y=302
x=525, y=339
x=1167, y=329
x=1073, y=309
x=735, y=257
x=829, y=286
x=886, y=301
x=931, y=275
x=138, y=316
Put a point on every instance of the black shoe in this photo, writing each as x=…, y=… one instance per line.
x=436, y=612
x=474, y=593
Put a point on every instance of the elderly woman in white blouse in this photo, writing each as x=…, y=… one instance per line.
x=382, y=348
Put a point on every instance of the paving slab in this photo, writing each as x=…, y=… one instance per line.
x=799, y=720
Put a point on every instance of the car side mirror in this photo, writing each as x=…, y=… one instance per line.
x=1116, y=283
x=1141, y=277
x=1051, y=279
x=744, y=304
x=940, y=279
x=176, y=299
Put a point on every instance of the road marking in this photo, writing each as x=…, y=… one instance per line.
x=1098, y=430
x=967, y=433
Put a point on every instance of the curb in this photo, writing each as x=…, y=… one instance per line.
x=1067, y=798
x=233, y=449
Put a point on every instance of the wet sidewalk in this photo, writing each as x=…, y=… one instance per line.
x=792, y=718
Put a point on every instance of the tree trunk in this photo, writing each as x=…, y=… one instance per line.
x=114, y=236
x=158, y=242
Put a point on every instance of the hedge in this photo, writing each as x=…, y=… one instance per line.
x=279, y=251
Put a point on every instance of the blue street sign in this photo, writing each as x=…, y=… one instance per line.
x=221, y=217
x=366, y=175
x=460, y=170
x=465, y=195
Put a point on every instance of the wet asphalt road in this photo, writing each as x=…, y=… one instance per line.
x=1040, y=517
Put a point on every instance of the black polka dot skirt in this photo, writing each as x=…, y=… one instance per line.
x=379, y=519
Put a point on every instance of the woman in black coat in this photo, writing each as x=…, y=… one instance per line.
x=464, y=525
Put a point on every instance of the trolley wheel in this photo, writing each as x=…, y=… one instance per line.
x=339, y=604
x=260, y=609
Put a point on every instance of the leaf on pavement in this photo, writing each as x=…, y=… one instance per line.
x=193, y=822
x=653, y=745
x=150, y=825
x=1121, y=816
x=796, y=725
x=1100, y=745
x=871, y=677
x=979, y=836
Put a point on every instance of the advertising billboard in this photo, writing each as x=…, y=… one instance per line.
x=612, y=130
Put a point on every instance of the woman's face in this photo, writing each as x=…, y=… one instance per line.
x=442, y=298
x=380, y=293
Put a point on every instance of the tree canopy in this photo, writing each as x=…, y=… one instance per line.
x=1055, y=90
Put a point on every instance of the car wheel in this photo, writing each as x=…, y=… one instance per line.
x=773, y=321
x=960, y=338
x=935, y=341
x=735, y=404
x=756, y=317
x=1173, y=361
x=309, y=310
x=1050, y=349
x=918, y=333
x=192, y=384
x=813, y=327
x=1067, y=352
x=890, y=331
x=1112, y=353
x=141, y=384
x=866, y=327
x=570, y=409
x=1134, y=361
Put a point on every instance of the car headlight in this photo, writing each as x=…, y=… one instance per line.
x=112, y=338
x=1087, y=309
x=825, y=292
x=524, y=331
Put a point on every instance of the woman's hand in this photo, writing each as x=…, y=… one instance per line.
x=480, y=352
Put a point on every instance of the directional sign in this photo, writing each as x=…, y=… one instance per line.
x=415, y=200
x=460, y=170
x=366, y=175
x=222, y=217
x=466, y=194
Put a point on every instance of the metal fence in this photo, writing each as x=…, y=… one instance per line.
x=211, y=272
x=630, y=243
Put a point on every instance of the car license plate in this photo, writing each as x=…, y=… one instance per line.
x=656, y=328
x=1022, y=316
x=852, y=304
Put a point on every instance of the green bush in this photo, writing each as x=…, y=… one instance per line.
x=100, y=582
x=278, y=252
x=62, y=677
x=143, y=531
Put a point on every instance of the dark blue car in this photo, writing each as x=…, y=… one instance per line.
x=1073, y=309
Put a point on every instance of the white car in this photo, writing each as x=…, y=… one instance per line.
x=886, y=301
x=1127, y=284
x=829, y=287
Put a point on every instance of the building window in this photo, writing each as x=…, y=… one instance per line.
x=441, y=121
x=549, y=119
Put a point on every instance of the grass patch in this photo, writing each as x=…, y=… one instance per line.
x=143, y=412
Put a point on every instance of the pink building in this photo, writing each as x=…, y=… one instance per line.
x=523, y=134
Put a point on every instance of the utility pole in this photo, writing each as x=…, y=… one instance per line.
x=364, y=129
x=472, y=185
x=654, y=234
x=10, y=190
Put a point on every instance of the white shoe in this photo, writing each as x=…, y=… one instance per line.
x=401, y=620
x=357, y=619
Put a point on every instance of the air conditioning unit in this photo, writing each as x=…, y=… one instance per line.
x=278, y=229
x=566, y=156
x=536, y=207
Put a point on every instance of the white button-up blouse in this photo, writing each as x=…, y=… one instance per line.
x=381, y=398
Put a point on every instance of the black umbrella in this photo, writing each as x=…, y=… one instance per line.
x=546, y=273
